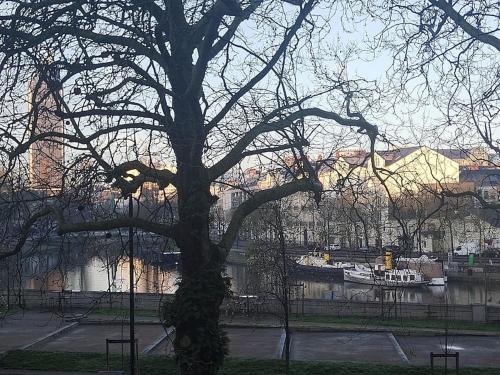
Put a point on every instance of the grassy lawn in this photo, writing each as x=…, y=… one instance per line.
x=350, y=321
x=153, y=365
x=401, y=323
x=323, y=321
x=125, y=312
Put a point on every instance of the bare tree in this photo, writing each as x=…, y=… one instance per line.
x=184, y=81
x=272, y=262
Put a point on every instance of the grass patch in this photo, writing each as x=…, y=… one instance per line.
x=401, y=323
x=349, y=321
x=156, y=365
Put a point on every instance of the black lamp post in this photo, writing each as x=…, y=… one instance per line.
x=132, y=300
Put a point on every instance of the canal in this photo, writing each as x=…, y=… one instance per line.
x=106, y=273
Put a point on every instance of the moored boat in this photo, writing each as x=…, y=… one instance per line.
x=379, y=276
x=320, y=264
x=430, y=268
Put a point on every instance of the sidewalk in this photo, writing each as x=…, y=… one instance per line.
x=39, y=372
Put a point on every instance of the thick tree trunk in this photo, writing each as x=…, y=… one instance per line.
x=200, y=344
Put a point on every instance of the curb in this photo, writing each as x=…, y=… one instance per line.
x=255, y=326
x=49, y=336
x=401, y=332
x=117, y=322
x=410, y=331
x=398, y=348
x=158, y=341
x=281, y=345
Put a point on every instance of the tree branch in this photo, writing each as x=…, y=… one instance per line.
x=91, y=226
x=259, y=151
x=237, y=152
x=260, y=198
x=259, y=76
x=119, y=222
x=460, y=20
x=163, y=177
x=23, y=147
x=25, y=231
x=206, y=32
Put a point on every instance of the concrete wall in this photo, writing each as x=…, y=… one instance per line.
x=240, y=305
x=32, y=298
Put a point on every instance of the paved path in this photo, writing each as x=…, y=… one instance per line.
x=92, y=338
x=474, y=351
x=20, y=330
x=344, y=346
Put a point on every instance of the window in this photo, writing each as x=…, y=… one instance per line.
x=236, y=199
x=486, y=194
x=387, y=277
x=393, y=277
x=405, y=278
x=399, y=277
x=412, y=277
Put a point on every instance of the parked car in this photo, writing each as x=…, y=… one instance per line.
x=466, y=248
x=334, y=246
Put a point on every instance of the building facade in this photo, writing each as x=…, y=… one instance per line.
x=46, y=155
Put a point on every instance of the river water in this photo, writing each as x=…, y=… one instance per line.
x=99, y=273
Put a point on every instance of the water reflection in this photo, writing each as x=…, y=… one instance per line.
x=99, y=275
x=112, y=273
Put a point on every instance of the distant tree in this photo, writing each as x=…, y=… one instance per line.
x=271, y=260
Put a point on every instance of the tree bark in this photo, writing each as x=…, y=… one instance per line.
x=200, y=344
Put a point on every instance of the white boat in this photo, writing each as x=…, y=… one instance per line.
x=318, y=263
x=431, y=268
x=381, y=277
x=360, y=274
x=438, y=281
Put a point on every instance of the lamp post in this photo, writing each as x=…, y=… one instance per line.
x=130, y=177
x=131, y=274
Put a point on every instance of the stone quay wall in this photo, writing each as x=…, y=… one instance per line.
x=250, y=305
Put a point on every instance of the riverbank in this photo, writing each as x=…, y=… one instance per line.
x=250, y=305
x=156, y=365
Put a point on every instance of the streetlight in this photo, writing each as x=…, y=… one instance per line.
x=130, y=176
x=131, y=276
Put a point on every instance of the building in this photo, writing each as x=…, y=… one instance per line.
x=468, y=158
x=400, y=199
x=486, y=182
x=408, y=170
x=46, y=156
